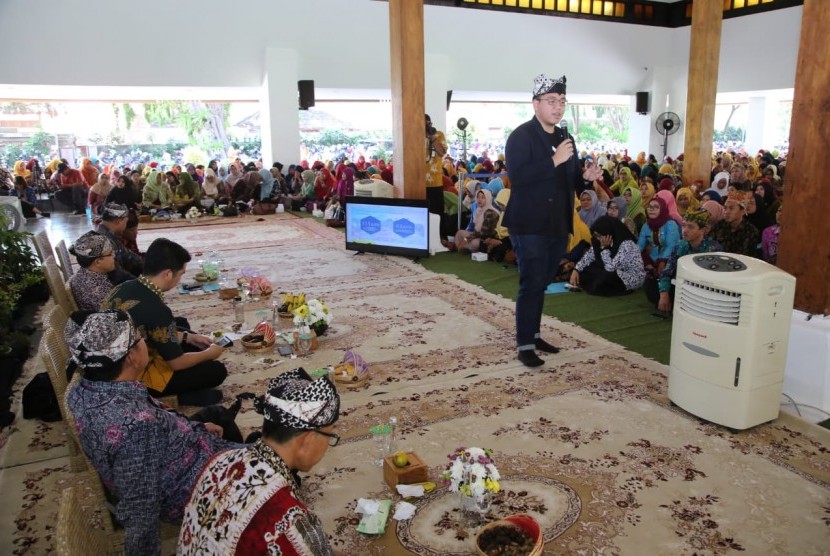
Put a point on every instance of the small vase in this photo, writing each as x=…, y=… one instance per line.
x=320, y=329
x=473, y=509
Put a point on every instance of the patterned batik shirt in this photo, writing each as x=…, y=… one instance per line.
x=744, y=240
x=90, y=288
x=148, y=456
x=157, y=325
x=245, y=503
x=708, y=245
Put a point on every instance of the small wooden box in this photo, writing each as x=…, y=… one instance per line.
x=415, y=471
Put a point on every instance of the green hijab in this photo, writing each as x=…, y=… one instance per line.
x=188, y=188
x=635, y=205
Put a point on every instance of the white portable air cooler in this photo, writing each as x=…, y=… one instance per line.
x=729, y=338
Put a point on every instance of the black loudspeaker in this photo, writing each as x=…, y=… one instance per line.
x=642, y=102
x=449, y=99
x=306, y=89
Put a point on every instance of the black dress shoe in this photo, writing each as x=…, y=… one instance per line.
x=45, y=214
x=542, y=345
x=529, y=358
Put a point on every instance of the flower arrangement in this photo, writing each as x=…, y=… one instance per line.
x=313, y=314
x=193, y=213
x=472, y=472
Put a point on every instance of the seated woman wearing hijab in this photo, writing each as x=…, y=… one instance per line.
x=187, y=194
x=98, y=193
x=769, y=239
x=482, y=226
x=214, y=188
x=756, y=212
x=765, y=189
x=625, y=181
x=686, y=201
x=658, y=238
x=612, y=266
x=156, y=194
x=616, y=208
x=634, y=207
x=590, y=208
x=720, y=184
x=500, y=248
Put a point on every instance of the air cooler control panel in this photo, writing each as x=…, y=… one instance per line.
x=719, y=263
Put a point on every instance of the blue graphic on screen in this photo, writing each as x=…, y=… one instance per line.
x=387, y=225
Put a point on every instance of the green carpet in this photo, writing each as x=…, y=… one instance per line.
x=624, y=320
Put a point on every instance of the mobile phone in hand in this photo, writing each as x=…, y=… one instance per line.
x=224, y=341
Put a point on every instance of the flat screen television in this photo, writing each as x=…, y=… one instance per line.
x=387, y=226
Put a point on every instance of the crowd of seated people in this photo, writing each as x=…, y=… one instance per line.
x=738, y=213
x=649, y=197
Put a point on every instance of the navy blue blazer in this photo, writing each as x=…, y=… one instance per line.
x=542, y=195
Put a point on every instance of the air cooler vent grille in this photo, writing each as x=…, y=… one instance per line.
x=710, y=303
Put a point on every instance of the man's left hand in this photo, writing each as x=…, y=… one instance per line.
x=214, y=429
x=592, y=174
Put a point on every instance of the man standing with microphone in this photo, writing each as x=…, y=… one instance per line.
x=543, y=172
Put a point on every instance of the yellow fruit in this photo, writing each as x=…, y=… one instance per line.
x=400, y=459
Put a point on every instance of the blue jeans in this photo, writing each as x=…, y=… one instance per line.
x=538, y=258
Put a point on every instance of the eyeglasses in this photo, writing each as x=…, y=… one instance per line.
x=554, y=101
x=655, y=207
x=334, y=439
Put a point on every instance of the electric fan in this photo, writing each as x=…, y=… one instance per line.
x=667, y=123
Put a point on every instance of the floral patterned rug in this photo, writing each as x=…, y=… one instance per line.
x=212, y=221
x=588, y=443
x=247, y=232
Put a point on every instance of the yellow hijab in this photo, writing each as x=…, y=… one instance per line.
x=581, y=230
x=502, y=198
x=693, y=202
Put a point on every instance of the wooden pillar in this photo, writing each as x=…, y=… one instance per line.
x=804, y=243
x=704, y=53
x=406, y=38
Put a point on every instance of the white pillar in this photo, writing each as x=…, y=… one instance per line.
x=436, y=84
x=761, y=124
x=279, y=107
x=639, y=129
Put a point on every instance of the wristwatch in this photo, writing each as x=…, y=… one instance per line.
x=184, y=337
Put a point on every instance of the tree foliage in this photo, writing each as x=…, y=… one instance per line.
x=204, y=123
x=333, y=137
x=729, y=134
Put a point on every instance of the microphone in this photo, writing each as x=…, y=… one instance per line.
x=563, y=123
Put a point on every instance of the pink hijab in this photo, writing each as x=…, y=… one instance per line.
x=715, y=209
x=674, y=214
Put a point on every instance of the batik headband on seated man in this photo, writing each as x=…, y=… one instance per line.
x=699, y=217
x=91, y=245
x=98, y=340
x=296, y=401
x=114, y=211
x=543, y=85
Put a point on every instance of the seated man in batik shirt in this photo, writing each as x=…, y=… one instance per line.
x=91, y=284
x=246, y=500
x=148, y=456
